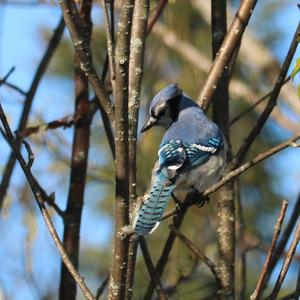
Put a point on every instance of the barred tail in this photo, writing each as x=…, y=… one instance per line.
x=152, y=210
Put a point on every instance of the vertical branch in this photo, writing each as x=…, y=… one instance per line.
x=79, y=159
x=137, y=47
x=261, y=281
x=53, y=43
x=286, y=264
x=120, y=253
x=226, y=216
x=241, y=271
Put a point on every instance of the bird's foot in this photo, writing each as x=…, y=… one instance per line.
x=196, y=198
x=202, y=201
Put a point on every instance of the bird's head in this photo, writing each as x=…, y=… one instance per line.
x=164, y=107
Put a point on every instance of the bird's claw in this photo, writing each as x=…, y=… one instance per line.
x=202, y=201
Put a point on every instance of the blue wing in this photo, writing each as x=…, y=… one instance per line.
x=174, y=158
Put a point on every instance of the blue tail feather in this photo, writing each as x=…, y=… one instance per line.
x=153, y=208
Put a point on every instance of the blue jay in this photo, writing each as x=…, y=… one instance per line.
x=190, y=157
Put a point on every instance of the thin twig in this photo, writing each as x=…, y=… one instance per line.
x=38, y=194
x=30, y=154
x=154, y=16
x=227, y=49
x=164, y=257
x=152, y=271
x=279, y=251
x=102, y=287
x=4, y=79
x=286, y=263
x=53, y=43
x=199, y=254
x=272, y=101
x=259, y=101
x=260, y=284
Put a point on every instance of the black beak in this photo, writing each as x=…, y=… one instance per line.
x=152, y=121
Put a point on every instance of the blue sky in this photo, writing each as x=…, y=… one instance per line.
x=21, y=46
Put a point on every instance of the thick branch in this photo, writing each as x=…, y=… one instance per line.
x=137, y=47
x=79, y=159
x=117, y=284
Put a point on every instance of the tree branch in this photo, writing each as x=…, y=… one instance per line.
x=40, y=200
x=163, y=259
x=200, y=255
x=286, y=263
x=79, y=160
x=83, y=50
x=137, y=48
x=117, y=284
x=53, y=43
x=272, y=101
x=152, y=271
x=227, y=49
x=260, y=284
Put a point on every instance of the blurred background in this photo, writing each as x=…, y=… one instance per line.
x=177, y=50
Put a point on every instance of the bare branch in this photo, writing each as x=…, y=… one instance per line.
x=255, y=104
x=117, y=284
x=137, y=47
x=152, y=271
x=260, y=284
x=53, y=43
x=286, y=263
x=272, y=101
x=227, y=49
x=4, y=79
x=30, y=154
x=200, y=255
x=163, y=259
x=38, y=194
x=102, y=287
x=156, y=14
x=279, y=251
x=83, y=50
x=78, y=167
